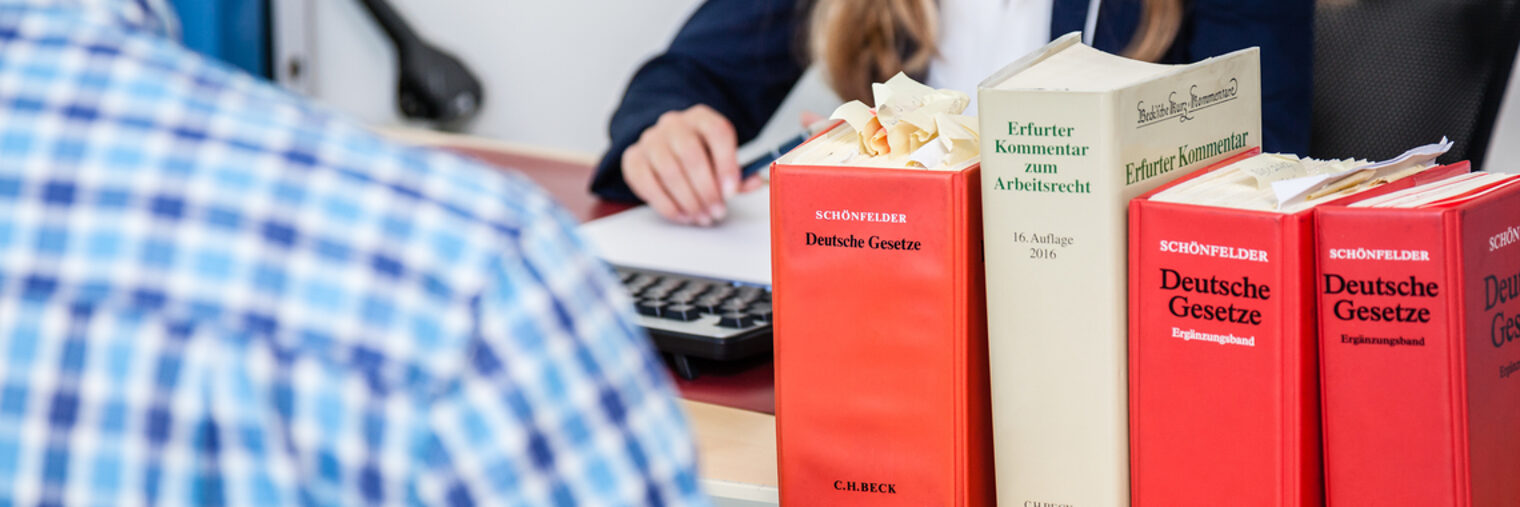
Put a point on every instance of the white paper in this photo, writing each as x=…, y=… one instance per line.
x=1296, y=191
x=1293, y=192
x=929, y=155
x=909, y=116
x=1416, y=155
x=1270, y=167
x=736, y=249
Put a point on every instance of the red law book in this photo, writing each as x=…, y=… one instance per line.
x=880, y=336
x=1420, y=315
x=1223, y=362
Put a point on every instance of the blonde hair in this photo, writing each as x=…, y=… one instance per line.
x=859, y=42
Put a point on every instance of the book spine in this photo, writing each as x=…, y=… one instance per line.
x=1303, y=443
x=976, y=427
x=1058, y=170
x=1490, y=243
x=1050, y=213
x=1388, y=345
x=868, y=288
x=1219, y=303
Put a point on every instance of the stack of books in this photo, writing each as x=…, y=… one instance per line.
x=1122, y=301
x=1224, y=360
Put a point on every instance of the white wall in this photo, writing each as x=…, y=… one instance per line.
x=1504, y=147
x=553, y=70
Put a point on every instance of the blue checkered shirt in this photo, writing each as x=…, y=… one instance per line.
x=212, y=293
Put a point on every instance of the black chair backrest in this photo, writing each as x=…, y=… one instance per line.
x=1393, y=74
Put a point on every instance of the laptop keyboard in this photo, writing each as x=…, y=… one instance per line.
x=700, y=317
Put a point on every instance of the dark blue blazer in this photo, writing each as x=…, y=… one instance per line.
x=742, y=57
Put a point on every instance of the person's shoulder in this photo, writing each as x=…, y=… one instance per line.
x=392, y=238
x=281, y=134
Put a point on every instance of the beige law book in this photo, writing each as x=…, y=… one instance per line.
x=1069, y=135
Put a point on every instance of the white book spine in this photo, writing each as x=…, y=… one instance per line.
x=1059, y=169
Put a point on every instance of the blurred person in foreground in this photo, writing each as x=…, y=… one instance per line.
x=213, y=293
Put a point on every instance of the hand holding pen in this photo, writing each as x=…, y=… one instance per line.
x=686, y=165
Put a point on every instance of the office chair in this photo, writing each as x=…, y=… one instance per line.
x=1393, y=74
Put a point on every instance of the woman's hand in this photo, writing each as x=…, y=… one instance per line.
x=685, y=165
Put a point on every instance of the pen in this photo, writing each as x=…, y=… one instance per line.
x=764, y=160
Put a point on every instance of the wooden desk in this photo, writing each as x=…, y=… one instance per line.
x=737, y=453
x=737, y=448
x=565, y=175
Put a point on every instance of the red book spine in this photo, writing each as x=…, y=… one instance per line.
x=1224, y=382
x=1420, y=360
x=1391, y=351
x=1490, y=243
x=881, y=375
x=1223, y=361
